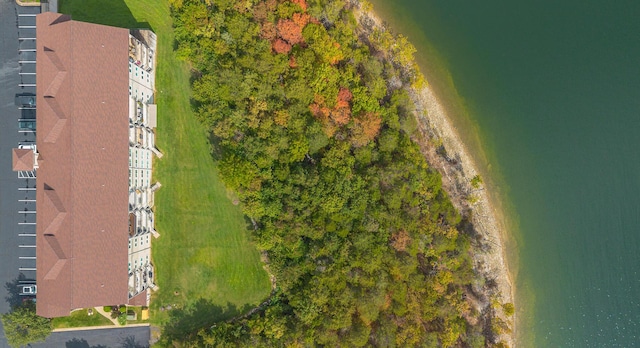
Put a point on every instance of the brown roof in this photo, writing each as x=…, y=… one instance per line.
x=23, y=159
x=139, y=299
x=83, y=178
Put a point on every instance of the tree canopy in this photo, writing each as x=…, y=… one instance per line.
x=22, y=326
x=312, y=127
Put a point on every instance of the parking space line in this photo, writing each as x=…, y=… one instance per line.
x=26, y=269
x=26, y=246
x=26, y=223
x=26, y=14
x=26, y=38
x=26, y=62
x=26, y=234
x=26, y=188
x=26, y=200
x=27, y=257
x=26, y=27
x=26, y=212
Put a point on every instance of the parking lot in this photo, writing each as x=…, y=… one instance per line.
x=17, y=126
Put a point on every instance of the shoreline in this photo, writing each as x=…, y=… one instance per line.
x=436, y=125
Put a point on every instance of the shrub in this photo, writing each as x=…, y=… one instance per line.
x=122, y=319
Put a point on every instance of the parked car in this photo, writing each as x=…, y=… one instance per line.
x=26, y=100
x=28, y=290
x=29, y=146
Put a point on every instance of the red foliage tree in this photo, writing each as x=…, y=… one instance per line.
x=290, y=31
x=344, y=97
x=301, y=19
x=292, y=62
x=280, y=46
x=301, y=3
x=341, y=114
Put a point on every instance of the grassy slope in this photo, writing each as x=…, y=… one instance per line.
x=204, y=249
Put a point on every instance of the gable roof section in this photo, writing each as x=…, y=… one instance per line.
x=83, y=177
x=23, y=159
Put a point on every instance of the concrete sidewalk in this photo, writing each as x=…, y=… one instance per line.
x=86, y=328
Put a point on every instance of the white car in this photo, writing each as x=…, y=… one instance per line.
x=28, y=290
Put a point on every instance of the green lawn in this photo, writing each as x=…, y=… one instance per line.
x=204, y=250
x=80, y=318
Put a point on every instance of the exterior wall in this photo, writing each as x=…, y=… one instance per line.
x=141, y=145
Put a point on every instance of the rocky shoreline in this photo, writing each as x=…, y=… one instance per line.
x=444, y=149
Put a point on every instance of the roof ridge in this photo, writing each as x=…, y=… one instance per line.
x=55, y=131
x=55, y=84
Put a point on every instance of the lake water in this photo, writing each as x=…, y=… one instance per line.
x=552, y=88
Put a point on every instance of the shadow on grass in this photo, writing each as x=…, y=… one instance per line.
x=108, y=12
x=202, y=314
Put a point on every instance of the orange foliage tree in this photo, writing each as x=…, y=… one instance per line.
x=301, y=3
x=400, y=240
x=280, y=46
x=290, y=31
x=366, y=127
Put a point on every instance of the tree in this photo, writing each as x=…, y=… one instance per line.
x=290, y=31
x=23, y=326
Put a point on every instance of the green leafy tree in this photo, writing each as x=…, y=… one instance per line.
x=22, y=326
x=314, y=134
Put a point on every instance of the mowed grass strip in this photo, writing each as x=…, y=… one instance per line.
x=81, y=318
x=204, y=250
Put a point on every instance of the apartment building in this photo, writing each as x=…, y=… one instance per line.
x=93, y=158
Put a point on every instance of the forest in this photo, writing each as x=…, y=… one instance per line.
x=312, y=127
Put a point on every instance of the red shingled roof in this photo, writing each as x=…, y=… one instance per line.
x=23, y=159
x=83, y=178
x=139, y=299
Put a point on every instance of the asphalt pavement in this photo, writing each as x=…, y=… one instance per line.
x=16, y=228
x=17, y=195
x=132, y=337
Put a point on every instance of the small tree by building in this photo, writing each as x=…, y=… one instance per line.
x=23, y=326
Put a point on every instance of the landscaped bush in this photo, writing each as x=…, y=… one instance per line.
x=122, y=319
x=117, y=310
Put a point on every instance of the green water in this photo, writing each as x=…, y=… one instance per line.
x=554, y=88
